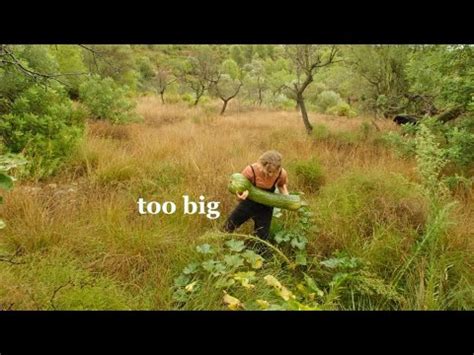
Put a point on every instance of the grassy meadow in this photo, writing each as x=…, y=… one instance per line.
x=76, y=241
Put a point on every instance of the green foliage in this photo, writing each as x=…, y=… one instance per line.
x=146, y=72
x=310, y=173
x=70, y=62
x=231, y=68
x=294, y=239
x=279, y=101
x=341, y=109
x=442, y=151
x=256, y=81
x=355, y=206
x=460, y=147
x=7, y=163
x=115, y=61
x=382, y=69
x=231, y=268
x=443, y=75
x=321, y=132
x=42, y=124
x=13, y=82
x=430, y=158
x=327, y=99
x=104, y=99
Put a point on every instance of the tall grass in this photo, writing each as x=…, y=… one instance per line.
x=76, y=240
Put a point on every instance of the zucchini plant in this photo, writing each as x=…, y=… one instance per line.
x=8, y=162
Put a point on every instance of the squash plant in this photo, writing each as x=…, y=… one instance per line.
x=8, y=162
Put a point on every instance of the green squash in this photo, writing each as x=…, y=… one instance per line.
x=239, y=183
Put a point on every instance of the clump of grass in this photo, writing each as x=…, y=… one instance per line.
x=309, y=174
x=352, y=209
x=60, y=283
x=106, y=129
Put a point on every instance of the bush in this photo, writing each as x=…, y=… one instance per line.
x=327, y=99
x=320, y=132
x=310, y=173
x=106, y=100
x=341, y=109
x=280, y=102
x=42, y=124
x=187, y=97
x=460, y=149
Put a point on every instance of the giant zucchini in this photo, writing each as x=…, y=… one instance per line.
x=239, y=183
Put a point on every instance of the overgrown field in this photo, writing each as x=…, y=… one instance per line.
x=375, y=234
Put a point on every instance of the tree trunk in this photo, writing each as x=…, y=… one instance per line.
x=304, y=114
x=224, y=106
x=450, y=114
x=199, y=93
x=162, y=93
x=198, y=97
x=260, y=97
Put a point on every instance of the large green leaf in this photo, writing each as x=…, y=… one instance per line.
x=190, y=268
x=301, y=259
x=235, y=245
x=255, y=260
x=233, y=260
x=6, y=182
x=182, y=280
x=205, y=249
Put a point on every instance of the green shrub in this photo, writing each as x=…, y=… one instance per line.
x=327, y=99
x=430, y=158
x=341, y=109
x=460, y=149
x=365, y=130
x=320, y=132
x=280, y=102
x=104, y=99
x=403, y=146
x=42, y=124
x=310, y=173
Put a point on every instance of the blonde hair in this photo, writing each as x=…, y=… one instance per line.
x=270, y=157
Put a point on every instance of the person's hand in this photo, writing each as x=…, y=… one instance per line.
x=242, y=196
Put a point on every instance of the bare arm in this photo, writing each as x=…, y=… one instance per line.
x=283, y=189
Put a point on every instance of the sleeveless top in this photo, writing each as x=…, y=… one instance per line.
x=271, y=189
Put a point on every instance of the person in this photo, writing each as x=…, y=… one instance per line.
x=266, y=174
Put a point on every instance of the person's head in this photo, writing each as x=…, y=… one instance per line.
x=270, y=161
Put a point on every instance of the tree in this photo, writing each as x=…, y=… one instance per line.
x=442, y=79
x=228, y=82
x=257, y=82
x=306, y=60
x=70, y=60
x=382, y=68
x=199, y=70
x=115, y=61
x=162, y=79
